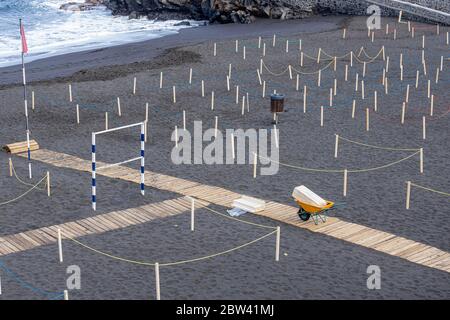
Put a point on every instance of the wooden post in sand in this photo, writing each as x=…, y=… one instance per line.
x=10, y=167
x=346, y=72
x=431, y=105
x=70, y=92
x=212, y=100
x=237, y=46
x=190, y=76
x=78, y=113
x=259, y=77
x=403, y=112
x=321, y=116
x=408, y=194
x=161, y=80
x=216, y=125
x=134, y=85
x=297, y=83
x=48, y=184
x=158, y=288
x=417, y=79
x=437, y=76
x=192, y=214
x=237, y=94
x=106, y=120
x=407, y=94
x=174, y=93
x=331, y=97
x=421, y=160
x=228, y=83
x=344, y=33
x=424, y=128
x=336, y=146
x=277, y=245
x=367, y=119
x=304, y=99
x=184, y=119
x=119, y=110
x=345, y=183
x=264, y=89
x=60, y=247
x=255, y=160
x=375, y=101
x=318, y=55
x=215, y=49
x=176, y=137
x=203, y=88
x=32, y=100
x=318, y=77
x=353, y=109
x=356, y=82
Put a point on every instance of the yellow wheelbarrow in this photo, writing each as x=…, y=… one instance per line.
x=307, y=211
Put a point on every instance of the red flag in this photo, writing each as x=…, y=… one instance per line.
x=24, y=39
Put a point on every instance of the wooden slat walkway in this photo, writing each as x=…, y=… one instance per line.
x=93, y=225
x=347, y=231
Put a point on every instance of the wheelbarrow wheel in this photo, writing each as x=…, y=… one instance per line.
x=303, y=215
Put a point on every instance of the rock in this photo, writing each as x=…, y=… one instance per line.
x=182, y=23
x=134, y=15
x=81, y=6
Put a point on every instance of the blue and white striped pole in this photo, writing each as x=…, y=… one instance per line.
x=142, y=157
x=94, y=202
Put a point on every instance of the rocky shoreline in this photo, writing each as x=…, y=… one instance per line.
x=244, y=11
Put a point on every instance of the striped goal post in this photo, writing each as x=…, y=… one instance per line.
x=141, y=157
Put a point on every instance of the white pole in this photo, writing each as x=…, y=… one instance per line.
x=216, y=123
x=243, y=105
x=158, y=290
x=335, y=87
x=255, y=160
x=442, y=62
x=287, y=46
x=318, y=55
x=408, y=194
x=421, y=160
x=78, y=113
x=264, y=89
x=304, y=99
x=345, y=183
x=106, y=120
x=146, y=122
x=70, y=93
x=297, y=83
x=364, y=69
x=274, y=40
x=174, y=92
x=362, y=90
x=203, y=88
x=417, y=79
x=237, y=46
x=336, y=146
x=356, y=82
x=60, y=246
x=290, y=71
x=232, y=146
x=346, y=72
x=437, y=76
x=264, y=49
x=192, y=214
x=228, y=83
x=432, y=105
x=429, y=89
x=0, y=285
x=353, y=109
x=318, y=77
x=351, y=58
x=367, y=119
x=277, y=245
x=190, y=76
x=259, y=77
x=48, y=183
x=229, y=70
x=10, y=167
x=119, y=109
x=331, y=97
x=215, y=49
x=134, y=85
x=395, y=34
x=243, y=53
x=212, y=100
x=301, y=59
x=184, y=119
x=344, y=33
x=160, y=80
x=321, y=116
x=277, y=142
x=407, y=94
x=403, y=112
x=259, y=42
x=32, y=99
x=424, y=129
x=66, y=295
x=375, y=101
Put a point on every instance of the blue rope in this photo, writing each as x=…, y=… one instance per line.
x=50, y=295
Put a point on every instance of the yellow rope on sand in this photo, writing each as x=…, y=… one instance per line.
x=24, y=194
x=340, y=170
x=378, y=147
x=169, y=263
x=429, y=189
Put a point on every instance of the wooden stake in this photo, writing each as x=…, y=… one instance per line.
x=429, y=89
x=437, y=76
x=353, y=109
x=215, y=49
x=10, y=167
x=70, y=92
x=344, y=33
x=192, y=214
x=304, y=99
x=408, y=194
x=134, y=85
x=158, y=289
x=417, y=79
x=203, y=88
x=60, y=247
x=331, y=97
x=346, y=72
x=48, y=183
x=212, y=100
x=421, y=160
x=255, y=159
x=362, y=90
x=32, y=100
x=375, y=101
x=318, y=78
x=174, y=93
x=237, y=94
x=318, y=55
x=264, y=89
x=431, y=105
x=321, y=116
x=106, y=120
x=277, y=245
x=78, y=113
x=407, y=94
x=335, y=87
x=190, y=76
x=297, y=83
x=345, y=183
x=367, y=119
x=119, y=109
x=424, y=128
x=403, y=113
x=336, y=146
x=160, y=80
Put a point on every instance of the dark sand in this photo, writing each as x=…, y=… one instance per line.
x=316, y=266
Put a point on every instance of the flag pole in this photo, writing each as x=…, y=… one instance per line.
x=25, y=101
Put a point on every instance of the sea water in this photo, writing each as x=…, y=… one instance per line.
x=52, y=31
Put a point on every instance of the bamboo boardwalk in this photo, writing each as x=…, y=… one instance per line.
x=93, y=225
x=381, y=241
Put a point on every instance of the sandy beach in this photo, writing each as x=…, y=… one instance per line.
x=311, y=266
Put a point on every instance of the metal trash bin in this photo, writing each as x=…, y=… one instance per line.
x=276, y=105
